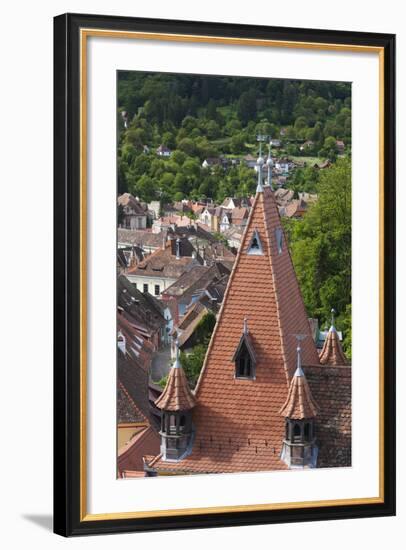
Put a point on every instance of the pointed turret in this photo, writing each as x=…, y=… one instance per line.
x=299, y=448
x=299, y=403
x=176, y=402
x=332, y=352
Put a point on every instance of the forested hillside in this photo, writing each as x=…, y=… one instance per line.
x=198, y=117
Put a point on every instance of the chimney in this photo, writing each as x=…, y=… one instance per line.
x=121, y=342
x=177, y=246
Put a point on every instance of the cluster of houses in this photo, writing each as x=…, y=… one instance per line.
x=274, y=392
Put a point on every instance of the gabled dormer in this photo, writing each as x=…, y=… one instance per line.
x=255, y=247
x=244, y=358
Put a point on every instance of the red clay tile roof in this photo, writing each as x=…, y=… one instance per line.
x=331, y=388
x=299, y=403
x=163, y=263
x=332, y=352
x=130, y=457
x=238, y=415
x=177, y=395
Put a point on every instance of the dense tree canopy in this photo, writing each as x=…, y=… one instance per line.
x=199, y=117
x=321, y=249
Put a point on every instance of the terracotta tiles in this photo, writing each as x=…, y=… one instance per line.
x=299, y=403
x=331, y=389
x=238, y=426
x=177, y=395
x=332, y=352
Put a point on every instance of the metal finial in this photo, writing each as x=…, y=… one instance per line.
x=333, y=312
x=245, y=329
x=177, y=353
x=299, y=338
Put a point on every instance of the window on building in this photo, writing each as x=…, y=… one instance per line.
x=279, y=239
x=297, y=432
x=255, y=246
x=157, y=290
x=244, y=367
x=145, y=287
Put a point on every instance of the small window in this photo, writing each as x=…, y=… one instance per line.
x=243, y=364
x=297, y=432
x=255, y=246
x=279, y=239
x=157, y=290
x=135, y=285
x=145, y=287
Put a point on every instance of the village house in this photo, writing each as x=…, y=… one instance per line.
x=163, y=151
x=134, y=214
x=137, y=416
x=190, y=286
x=340, y=146
x=147, y=241
x=153, y=319
x=164, y=266
x=265, y=400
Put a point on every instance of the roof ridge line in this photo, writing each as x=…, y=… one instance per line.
x=231, y=277
x=275, y=289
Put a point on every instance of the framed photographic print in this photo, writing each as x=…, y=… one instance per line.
x=224, y=274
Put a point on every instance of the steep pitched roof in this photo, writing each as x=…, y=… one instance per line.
x=126, y=199
x=177, y=395
x=332, y=352
x=299, y=403
x=237, y=422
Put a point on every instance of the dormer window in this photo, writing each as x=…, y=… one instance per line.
x=279, y=239
x=244, y=356
x=243, y=364
x=255, y=246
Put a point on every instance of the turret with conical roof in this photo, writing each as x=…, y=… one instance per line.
x=176, y=403
x=332, y=352
x=299, y=447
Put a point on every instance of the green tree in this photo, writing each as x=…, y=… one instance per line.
x=321, y=246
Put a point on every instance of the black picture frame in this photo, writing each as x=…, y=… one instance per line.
x=67, y=346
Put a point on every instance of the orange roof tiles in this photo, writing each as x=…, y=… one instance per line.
x=230, y=412
x=299, y=403
x=332, y=352
x=177, y=396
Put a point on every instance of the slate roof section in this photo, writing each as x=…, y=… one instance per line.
x=299, y=403
x=332, y=352
x=177, y=396
x=238, y=426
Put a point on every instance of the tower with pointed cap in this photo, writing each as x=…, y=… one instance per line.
x=299, y=410
x=332, y=352
x=176, y=403
x=249, y=365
